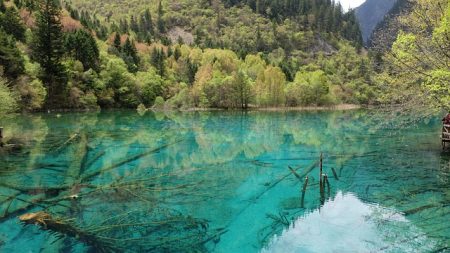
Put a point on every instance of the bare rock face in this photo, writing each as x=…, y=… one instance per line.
x=370, y=13
x=177, y=32
x=322, y=45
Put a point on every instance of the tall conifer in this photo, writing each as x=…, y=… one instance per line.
x=48, y=49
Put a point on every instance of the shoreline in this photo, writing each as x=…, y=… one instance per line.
x=341, y=107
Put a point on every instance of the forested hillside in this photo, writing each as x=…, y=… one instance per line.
x=386, y=31
x=186, y=54
x=413, y=47
x=90, y=54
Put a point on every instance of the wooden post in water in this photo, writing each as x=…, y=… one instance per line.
x=321, y=182
x=327, y=184
x=320, y=172
x=1, y=136
x=305, y=184
x=321, y=164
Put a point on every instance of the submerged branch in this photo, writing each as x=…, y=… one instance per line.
x=128, y=160
x=67, y=142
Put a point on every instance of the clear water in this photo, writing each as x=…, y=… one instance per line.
x=219, y=182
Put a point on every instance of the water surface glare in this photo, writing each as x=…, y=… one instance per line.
x=220, y=182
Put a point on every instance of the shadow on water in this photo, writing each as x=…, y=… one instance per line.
x=220, y=182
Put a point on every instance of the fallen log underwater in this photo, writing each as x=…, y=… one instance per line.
x=71, y=138
x=28, y=205
x=46, y=222
x=168, y=230
x=161, y=235
x=419, y=209
x=295, y=173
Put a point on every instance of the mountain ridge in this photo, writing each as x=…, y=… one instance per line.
x=370, y=14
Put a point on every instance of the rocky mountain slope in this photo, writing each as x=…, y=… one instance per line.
x=370, y=13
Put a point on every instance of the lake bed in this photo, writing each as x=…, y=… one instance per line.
x=220, y=182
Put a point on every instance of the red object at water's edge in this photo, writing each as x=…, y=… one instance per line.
x=446, y=120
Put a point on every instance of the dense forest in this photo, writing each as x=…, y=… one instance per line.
x=213, y=54
x=412, y=49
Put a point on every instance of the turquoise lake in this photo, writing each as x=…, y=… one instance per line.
x=117, y=181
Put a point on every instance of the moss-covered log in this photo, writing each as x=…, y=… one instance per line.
x=46, y=222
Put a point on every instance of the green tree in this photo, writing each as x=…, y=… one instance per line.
x=18, y=3
x=117, y=41
x=270, y=87
x=8, y=102
x=32, y=92
x=82, y=46
x=177, y=53
x=134, y=26
x=158, y=60
x=191, y=70
x=120, y=88
x=241, y=90
x=159, y=103
x=2, y=6
x=309, y=88
x=260, y=44
x=418, y=64
x=12, y=24
x=48, y=49
x=148, y=25
x=11, y=58
x=123, y=26
x=160, y=21
x=146, y=30
x=130, y=55
x=150, y=85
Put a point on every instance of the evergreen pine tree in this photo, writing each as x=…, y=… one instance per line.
x=177, y=53
x=157, y=60
x=2, y=6
x=130, y=55
x=30, y=5
x=75, y=14
x=180, y=40
x=133, y=24
x=82, y=46
x=192, y=69
x=161, y=63
x=18, y=3
x=48, y=49
x=154, y=57
x=149, y=22
x=12, y=24
x=117, y=43
x=160, y=21
x=146, y=31
x=10, y=57
x=142, y=34
x=123, y=25
x=259, y=40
